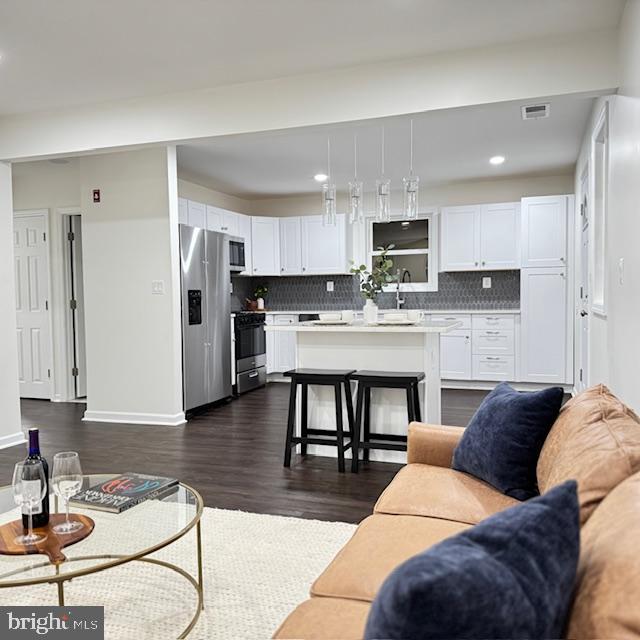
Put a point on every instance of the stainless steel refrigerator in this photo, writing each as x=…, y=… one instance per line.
x=206, y=312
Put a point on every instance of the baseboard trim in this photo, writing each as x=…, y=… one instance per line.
x=12, y=440
x=118, y=417
x=488, y=386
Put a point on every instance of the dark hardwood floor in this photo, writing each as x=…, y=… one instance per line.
x=232, y=455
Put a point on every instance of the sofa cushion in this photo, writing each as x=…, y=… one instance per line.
x=596, y=440
x=608, y=584
x=423, y=490
x=325, y=618
x=511, y=576
x=502, y=443
x=379, y=545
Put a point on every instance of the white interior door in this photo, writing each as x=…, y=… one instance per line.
x=77, y=308
x=30, y=233
x=584, y=292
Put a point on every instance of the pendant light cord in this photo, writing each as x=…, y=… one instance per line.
x=411, y=148
x=355, y=157
x=382, y=152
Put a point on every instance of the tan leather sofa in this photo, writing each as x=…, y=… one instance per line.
x=595, y=440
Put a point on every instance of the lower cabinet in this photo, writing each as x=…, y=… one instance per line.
x=543, y=344
x=281, y=345
x=482, y=349
x=455, y=355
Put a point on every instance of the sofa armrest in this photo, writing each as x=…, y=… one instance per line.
x=432, y=444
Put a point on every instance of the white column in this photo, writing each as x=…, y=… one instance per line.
x=10, y=423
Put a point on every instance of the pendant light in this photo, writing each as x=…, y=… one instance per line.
x=328, y=194
x=356, y=210
x=410, y=185
x=383, y=191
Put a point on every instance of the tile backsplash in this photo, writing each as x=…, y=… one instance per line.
x=459, y=290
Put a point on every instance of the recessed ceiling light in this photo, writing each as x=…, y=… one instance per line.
x=497, y=160
x=320, y=177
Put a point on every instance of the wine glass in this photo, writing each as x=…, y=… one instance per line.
x=66, y=478
x=29, y=489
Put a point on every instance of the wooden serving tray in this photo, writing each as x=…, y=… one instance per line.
x=52, y=544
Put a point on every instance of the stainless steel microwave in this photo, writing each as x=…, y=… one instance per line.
x=236, y=254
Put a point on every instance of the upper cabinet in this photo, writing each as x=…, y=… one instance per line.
x=544, y=231
x=324, y=247
x=500, y=236
x=265, y=240
x=290, y=246
x=481, y=237
x=197, y=213
x=244, y=232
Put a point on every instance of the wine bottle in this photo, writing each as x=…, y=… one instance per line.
x=41, y=512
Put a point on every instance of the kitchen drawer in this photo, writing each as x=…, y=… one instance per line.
x=285, y=319
x=493, y=342
x=505, y=322
x=494, y=368
x=269, y=318
x=466, y=320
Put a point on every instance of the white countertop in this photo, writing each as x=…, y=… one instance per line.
x=434, y=312
x=360, y=327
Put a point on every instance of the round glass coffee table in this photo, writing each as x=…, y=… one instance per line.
x=134, y=534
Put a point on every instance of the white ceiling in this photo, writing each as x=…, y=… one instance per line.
x=449, y=145
x=58, y=53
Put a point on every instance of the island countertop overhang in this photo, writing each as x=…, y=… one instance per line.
x=360, y=327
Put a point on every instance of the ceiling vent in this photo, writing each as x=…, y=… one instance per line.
x=536, y=111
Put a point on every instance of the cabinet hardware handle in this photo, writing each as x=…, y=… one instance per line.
x=483, y=263
x=253, y=375
x=493, y=333
x=476, y=264
x=561, y=259
x=490, y=358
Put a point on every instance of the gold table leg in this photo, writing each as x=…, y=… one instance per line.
x=199, y=546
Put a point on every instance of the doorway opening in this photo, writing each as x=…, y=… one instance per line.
x=74, y=289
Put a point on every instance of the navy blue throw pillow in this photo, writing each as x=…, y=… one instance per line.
x=511, y=576
x=503, y=441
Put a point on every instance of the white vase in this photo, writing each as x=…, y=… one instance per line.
x=260, y=302
x=370, y=312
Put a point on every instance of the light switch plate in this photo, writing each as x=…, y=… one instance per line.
x=329, y=285
x=486, y=282
x=157, y=287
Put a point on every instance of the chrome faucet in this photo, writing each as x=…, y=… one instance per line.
x=399, y=300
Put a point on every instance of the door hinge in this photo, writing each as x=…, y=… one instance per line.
x=580, y=375
x=48, y=373
x=44, y=236
x=73, y=304
x=581, y=293
x=46, y=305
x=74, y=372
x=71, y=236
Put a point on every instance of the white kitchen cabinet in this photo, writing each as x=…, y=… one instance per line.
x=543, y=338
x=244, y=232
x=493, y=368
x=265, y=246
x=544, y=231
x=214, y=218
x=270, y=344
x=183, y=211
x=460, y=249
x=481, y=237
x=500, y=236
x=230, y=222
x=290, y=246
x=324, y=247
x=284, y=345
x=455, y=355
x=197, y=213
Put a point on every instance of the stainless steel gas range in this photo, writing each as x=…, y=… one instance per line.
x=250, y=351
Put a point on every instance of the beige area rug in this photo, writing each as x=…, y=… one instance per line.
x=257, y=568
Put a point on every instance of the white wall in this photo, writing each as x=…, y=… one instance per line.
x=516, y=71
x=10, y=424
x=455, y=193
x=192, y=191
x=130, y=239
x=614, y=342
x=46, y=185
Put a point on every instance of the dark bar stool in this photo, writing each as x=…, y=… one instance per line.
x=326, y=377
x=368, y=380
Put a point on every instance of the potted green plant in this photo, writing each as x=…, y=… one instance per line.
x=260, y=294
x=373, y=282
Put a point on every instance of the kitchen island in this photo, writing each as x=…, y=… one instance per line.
x=414, y=348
